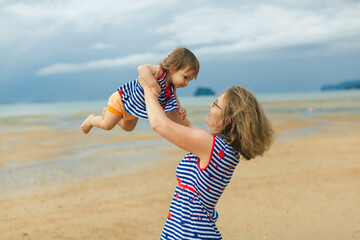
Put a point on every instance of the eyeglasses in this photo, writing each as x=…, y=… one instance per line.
x=215, y=104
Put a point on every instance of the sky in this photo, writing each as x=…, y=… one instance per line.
x=57, y=50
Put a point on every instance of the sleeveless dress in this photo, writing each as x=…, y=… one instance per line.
x=192, y=213
x=132, y=95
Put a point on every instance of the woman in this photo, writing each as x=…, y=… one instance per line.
x=238, y=127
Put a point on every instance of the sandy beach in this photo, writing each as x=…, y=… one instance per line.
x=305, y=187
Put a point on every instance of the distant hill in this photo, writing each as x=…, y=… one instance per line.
x=204, y=91
x=351, y=84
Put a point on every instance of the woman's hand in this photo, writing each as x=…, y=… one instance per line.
x=147, y=78
x=158, y=72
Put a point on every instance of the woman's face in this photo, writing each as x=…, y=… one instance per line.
x=214, y=120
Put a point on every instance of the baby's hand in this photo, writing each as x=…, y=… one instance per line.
x=158, y=72
x=182, y=112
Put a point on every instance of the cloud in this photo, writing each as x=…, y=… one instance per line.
x=131, y=60
x=261, y=27
x=38, y=19
x=101, y=46
x=251, y=28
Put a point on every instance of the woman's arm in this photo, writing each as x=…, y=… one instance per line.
x=194, y=140
x=176, y=117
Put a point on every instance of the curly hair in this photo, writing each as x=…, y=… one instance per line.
x=182, y=58
x=249, y=131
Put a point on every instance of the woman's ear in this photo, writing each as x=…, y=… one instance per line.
x=228, y=121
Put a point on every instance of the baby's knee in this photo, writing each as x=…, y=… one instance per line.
x=128, y=128
x=107, y=127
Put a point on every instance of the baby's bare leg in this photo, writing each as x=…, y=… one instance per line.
x=107, y=121
x=104, y=111
x=128, y=125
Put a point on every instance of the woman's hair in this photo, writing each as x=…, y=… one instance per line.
x=182, y=58
x=250, y=131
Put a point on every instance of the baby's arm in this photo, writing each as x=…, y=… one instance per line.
x=151, y=73
x=182, y=110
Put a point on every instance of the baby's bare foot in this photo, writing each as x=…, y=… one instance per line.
x=86, y=125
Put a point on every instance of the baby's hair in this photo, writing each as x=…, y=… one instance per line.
x=182, y=58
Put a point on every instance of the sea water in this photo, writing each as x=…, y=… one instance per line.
x=85, y=162
x=61, y=108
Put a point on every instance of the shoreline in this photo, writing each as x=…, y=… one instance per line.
x=266, y=99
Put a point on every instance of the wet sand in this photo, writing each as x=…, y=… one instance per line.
x=305, y=187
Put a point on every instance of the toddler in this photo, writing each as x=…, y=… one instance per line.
x=127, y=104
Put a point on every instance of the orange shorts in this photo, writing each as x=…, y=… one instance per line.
x=116, y=106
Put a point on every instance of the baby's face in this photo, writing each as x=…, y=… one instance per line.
x=181, y=78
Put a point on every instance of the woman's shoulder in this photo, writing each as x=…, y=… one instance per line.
x=223, y=160
x=223, y=147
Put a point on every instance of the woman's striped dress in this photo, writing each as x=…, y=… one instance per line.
x=132, y=95
x=192, y=213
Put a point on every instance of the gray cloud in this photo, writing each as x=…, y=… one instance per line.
x=100, y=46
x=39, y=19
x=130, y=60
x=258, y=29
x=228, y=30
